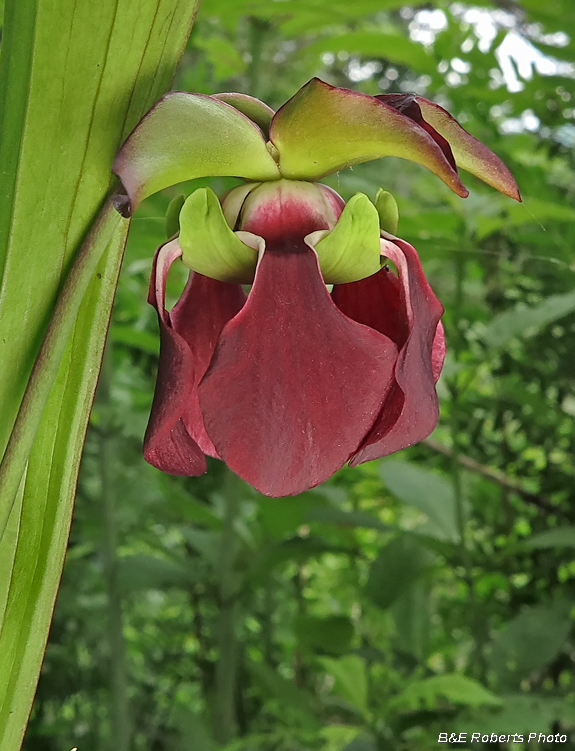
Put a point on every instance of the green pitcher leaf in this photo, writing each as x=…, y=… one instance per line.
x=351, y=251
x=64, y=110
x=185, y=136
x=208, y=244
x=323, y=129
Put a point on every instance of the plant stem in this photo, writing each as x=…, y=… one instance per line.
x=119, y=708
x=225, y=726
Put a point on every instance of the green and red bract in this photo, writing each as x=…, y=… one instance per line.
x=289, y=382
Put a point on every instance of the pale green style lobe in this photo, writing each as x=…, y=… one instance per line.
x=208, y=244
x=388, y=211
x=351, y=251
x=173, y=215
x=323, y=129
x=185, y=136
x=233, y=201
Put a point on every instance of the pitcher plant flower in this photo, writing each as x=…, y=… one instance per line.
x=290, y=381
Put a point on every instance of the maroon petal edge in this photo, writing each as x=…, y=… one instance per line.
x=294, y=385
x=411, y=410
x=167, y=444
x=199, y=316
x=408, y=106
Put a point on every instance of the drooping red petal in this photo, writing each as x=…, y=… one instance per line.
x=407, y=310
x=377, y=302
x=199, y=316
x=167, y=443
x=294, y=385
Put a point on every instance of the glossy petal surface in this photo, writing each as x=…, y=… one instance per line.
x=351, y=250
x=470, y=154
x=208, y=244
x=167, y=443
x=324, y=128
x=294, y=385
x=407, y=310
x=185, y=136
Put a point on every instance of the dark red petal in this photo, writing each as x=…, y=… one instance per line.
x=377, y=302
x=204, y=308
x=408, y=106
x=167, y=444
x=294, y=385
x=411, y=411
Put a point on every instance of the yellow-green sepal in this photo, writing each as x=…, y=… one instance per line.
x=257, y=111
x=351, y=250
x=209, y=245
x=388, y=211
x=173, y=215
x=323, y=129
x=185, y=136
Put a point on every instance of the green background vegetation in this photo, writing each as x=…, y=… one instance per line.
x=432, y=591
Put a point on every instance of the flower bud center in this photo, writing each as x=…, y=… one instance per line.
x=283, y=212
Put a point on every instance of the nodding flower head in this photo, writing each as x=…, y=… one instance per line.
x=289, y=381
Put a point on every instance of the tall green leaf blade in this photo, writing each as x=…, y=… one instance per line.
x=64, y=110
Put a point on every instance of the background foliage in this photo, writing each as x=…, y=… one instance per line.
x=428, y=592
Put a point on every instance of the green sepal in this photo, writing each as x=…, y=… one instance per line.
x=388, y=211
x=323, y=129
x=209, y=246
x=173, y=215
x=185, y=136
x=351, y=251
x=255, y=109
